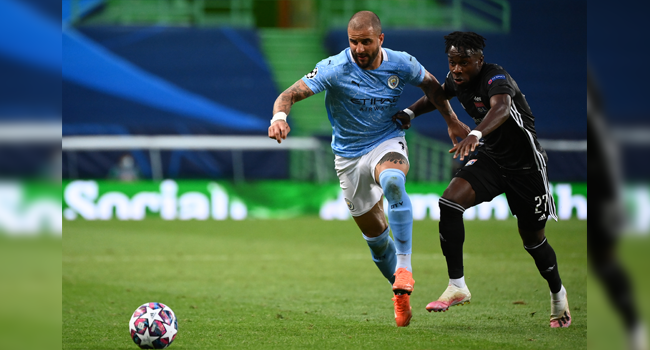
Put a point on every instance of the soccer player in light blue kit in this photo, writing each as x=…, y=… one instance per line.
x=363, y=85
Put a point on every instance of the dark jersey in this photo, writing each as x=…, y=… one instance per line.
x=513, y=145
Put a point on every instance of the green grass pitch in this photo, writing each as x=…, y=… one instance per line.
x=310, y=284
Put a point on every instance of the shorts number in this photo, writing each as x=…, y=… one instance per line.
x=541, y=201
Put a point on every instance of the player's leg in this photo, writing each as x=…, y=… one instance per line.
x=388, y=164
x=476, y=182
x=391, y=172
x=363, y=198
x=384, y=255
x=529, y=199
x=374, y=229
x=537, y=245
x=458, y=196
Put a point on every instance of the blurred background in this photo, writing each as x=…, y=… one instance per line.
x=619, y=138
x=30, y=174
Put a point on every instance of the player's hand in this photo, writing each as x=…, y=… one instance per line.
x=403, y=119
x=465, y=147
x=279, y=130
x=457, y=130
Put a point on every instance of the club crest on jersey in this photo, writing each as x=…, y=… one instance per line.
x=500, y=76
x=350, y=205
x=393, y=80
x=470, y=162
x=312, y=74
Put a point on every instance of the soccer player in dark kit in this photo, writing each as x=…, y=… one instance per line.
x=509, y=160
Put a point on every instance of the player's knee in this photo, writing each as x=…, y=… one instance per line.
x=531, y=231
x=462, y=198
x=449, y=208
x=392, y=181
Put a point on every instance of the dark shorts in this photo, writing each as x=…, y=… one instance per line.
x=528, y=194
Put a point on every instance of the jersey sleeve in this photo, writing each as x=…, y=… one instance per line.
x=449, y=85
x=317, y=80
x=415, y=73
x=498, y=82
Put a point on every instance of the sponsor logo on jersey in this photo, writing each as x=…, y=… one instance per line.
x=375, y=104
x=499, y=76
x=350, y=205
x=471, y=161
x=477, y=98
x=480, y=107
x=374, y=101
x=312, y=74
x=393, y=80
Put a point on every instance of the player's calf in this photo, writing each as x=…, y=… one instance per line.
x=400, y=214
x=452, y=236
x=382, y=250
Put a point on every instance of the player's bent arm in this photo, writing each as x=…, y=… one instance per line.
x=296, y=92
x=436, y=96
x=497, y=115
x=279, y=128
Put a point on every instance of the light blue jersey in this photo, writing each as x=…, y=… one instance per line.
x=360, y=103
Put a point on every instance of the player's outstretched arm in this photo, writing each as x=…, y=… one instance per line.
x=279, y=128
x=435, y=94
x=497, y=115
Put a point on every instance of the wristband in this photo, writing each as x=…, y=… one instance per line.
x=409, y=112
x=279, y=116
x=476, y=133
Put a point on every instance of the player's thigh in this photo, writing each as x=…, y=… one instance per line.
x=478, y=181
x=360, y=191
x=529, y=201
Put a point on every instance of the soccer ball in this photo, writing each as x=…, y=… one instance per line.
x=153, y=326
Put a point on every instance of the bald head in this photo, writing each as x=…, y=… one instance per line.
x=364, y=19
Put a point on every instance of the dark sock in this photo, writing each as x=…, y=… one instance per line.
x=546, y=263
x=452, y=236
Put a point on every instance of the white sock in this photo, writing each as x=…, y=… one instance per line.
x=404, y=260
x=458, y=282
x=638, y=337
x=559, y=295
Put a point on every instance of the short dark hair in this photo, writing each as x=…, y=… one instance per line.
x=465, y=41
x=362, y=19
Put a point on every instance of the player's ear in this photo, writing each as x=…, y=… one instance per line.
x=381, y=39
